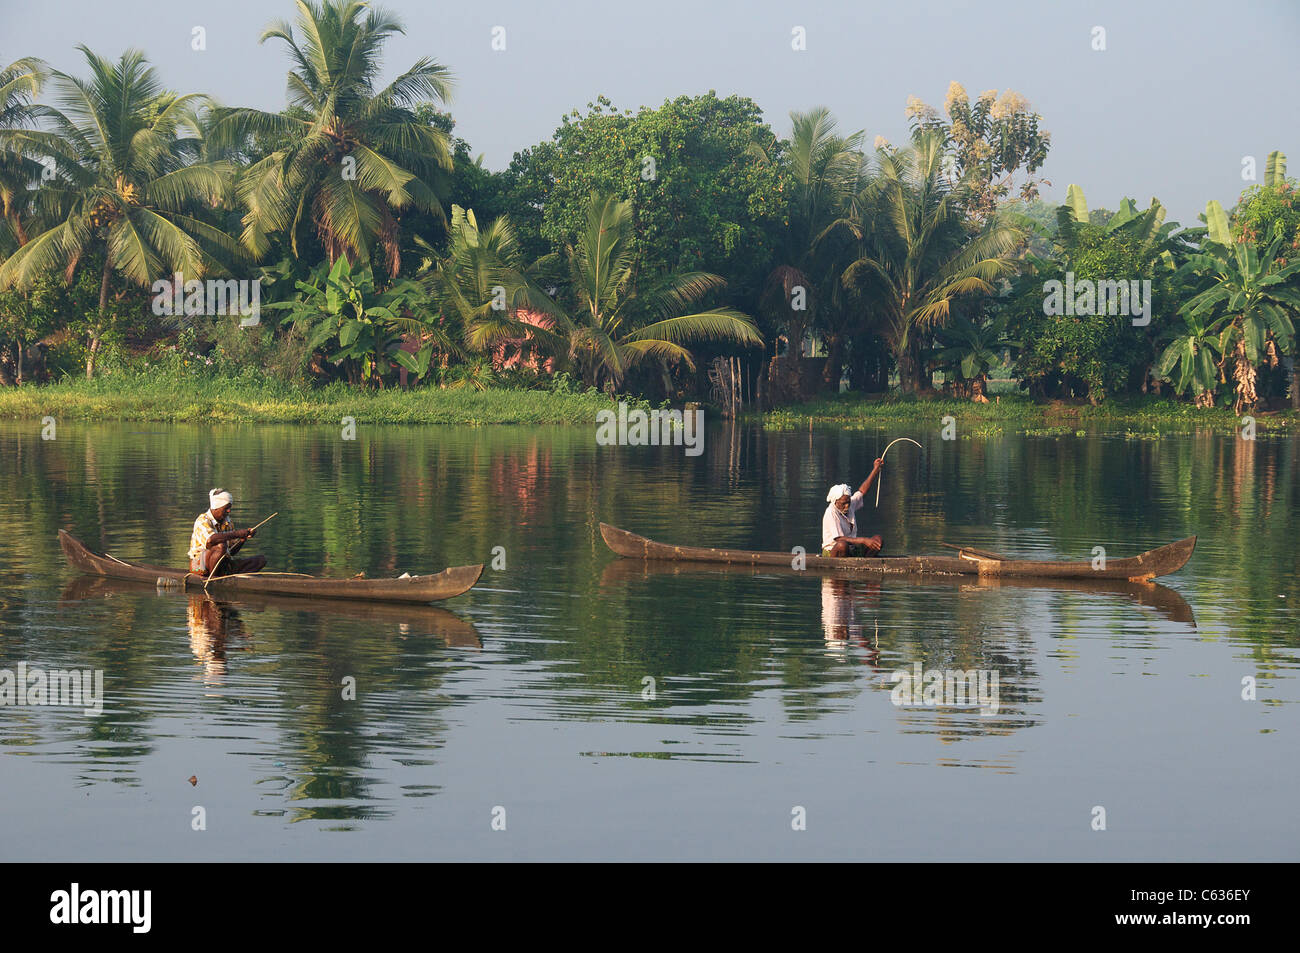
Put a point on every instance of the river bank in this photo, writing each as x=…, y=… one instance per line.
x=1016, y=413
x=167, y=398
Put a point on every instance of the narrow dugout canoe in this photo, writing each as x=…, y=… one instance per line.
x=419, y=589
x=1140, y=568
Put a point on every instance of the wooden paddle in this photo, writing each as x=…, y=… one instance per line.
x=238, y=543
x=983, y=553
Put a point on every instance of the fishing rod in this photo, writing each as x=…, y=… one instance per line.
x=882, y=460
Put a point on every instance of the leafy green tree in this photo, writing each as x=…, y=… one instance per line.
x=990, y=141
x=129, y=186
x=349, y=158
x=20, y=83
x=1095, y=355
x=702, y=200
x=1189, y=361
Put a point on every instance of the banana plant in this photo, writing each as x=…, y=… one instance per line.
x=1189, y=359
x=341, y=311
x=1251, y=298
x=969, y=348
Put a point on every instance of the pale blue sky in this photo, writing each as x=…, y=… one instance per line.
x=1184, y=90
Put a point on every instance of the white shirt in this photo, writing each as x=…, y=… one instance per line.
x=835, y=523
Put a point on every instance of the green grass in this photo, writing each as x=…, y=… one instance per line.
x=1016, y=413
x=132, y=395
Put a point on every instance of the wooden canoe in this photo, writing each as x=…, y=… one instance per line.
x=1148, y=565
x=443, y=585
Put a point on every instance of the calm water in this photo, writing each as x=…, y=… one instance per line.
x=604, y=711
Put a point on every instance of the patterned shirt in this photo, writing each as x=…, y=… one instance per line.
x=204, y=527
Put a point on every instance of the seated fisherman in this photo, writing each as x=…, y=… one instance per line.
x=840, y=524
x=214, y=541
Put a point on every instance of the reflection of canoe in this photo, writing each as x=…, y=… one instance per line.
x=422, y=620
x=1156, y=562
x=1164, y=600
x=443, y=585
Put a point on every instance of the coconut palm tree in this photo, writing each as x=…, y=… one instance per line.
x=20, y=84
x=917, y=255
x=351, y=157
x=826, y=169
x=482, y=284
x=129, y=188
x=614, y=324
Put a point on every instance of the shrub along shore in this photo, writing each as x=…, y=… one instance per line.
x=197, y=398
x=200, y=399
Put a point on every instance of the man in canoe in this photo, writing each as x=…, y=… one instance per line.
x=214, y=541
x=840, y=522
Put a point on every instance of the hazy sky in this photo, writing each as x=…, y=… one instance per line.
x=1183, y=91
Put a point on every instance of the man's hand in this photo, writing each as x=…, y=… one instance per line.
x=879, y=463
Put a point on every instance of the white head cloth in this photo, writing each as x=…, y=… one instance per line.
x=838, y=490
x=218, y=498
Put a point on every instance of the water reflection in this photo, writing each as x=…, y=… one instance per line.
x=212, y=625
x=842, y=600
x=524, y=687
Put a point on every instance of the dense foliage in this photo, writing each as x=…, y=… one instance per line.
x=628, y=251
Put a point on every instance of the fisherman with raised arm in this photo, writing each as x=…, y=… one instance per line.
x=840, y=524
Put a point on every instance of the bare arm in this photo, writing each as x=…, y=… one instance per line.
x=871, y=477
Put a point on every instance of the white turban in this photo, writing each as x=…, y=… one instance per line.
x=218, y=498
x=838, y=490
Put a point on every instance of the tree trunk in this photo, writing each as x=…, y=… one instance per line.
x=97, y=331
x=18, y=362
x=912, y=377
x=833, y=369
x=1295, y=381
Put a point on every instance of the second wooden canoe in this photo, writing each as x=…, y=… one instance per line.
x=1144, y=566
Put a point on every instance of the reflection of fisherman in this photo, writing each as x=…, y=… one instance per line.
x=210, y=626
x=839, y=619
